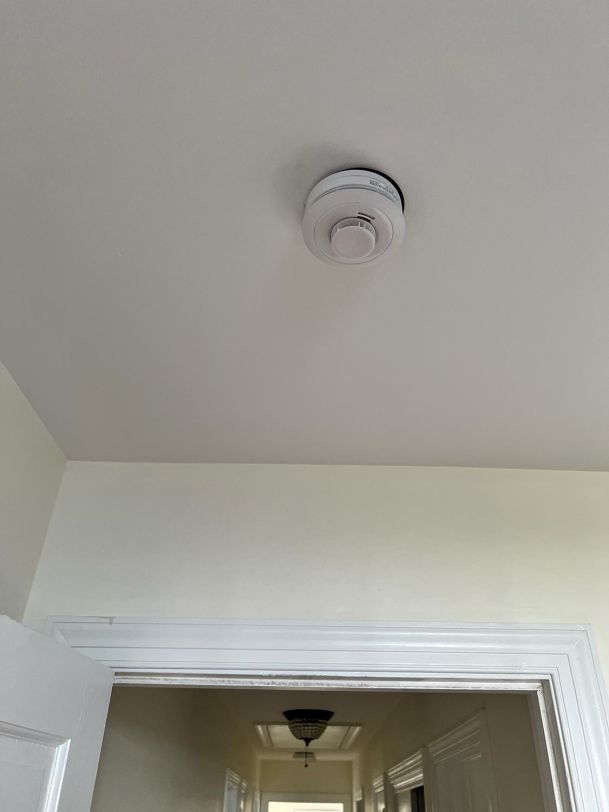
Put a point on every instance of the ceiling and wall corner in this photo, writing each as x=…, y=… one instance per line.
x=31, y=468
x=159, y=304
x=390, y=543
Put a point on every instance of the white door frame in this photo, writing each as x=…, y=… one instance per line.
x=555, y=665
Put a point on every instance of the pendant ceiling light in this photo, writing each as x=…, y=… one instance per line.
x=307, y=724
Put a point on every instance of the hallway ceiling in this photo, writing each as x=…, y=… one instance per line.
x=157, y=301
x=368, y=708
x=335, y=737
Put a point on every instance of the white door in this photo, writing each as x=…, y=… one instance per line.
x=53, y=706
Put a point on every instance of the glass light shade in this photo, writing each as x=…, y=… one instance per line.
x=307, y=724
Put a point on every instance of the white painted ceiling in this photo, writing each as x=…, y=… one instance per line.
x=157, y=301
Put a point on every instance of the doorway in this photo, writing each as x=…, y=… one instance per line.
x=302, y=803
x=554, y=667
x=171, y=748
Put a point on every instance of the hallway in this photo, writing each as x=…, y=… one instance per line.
x=194, y=749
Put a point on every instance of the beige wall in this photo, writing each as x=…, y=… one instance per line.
x=328, y=542
x=31, y=467
x=168, y=749
x=333, y=777
x=421, y=718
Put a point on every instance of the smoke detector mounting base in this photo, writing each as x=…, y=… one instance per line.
x=354, y=217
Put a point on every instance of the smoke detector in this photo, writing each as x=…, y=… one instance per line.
x=354, y=217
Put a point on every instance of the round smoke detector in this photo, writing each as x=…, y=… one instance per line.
x=353, y=217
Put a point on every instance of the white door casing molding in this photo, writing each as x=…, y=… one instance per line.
x=378, y=793
x=464, y=740
x=555, y=665
x=402, y=778
x=235, y=789
x=468, y=742
x=408, y=774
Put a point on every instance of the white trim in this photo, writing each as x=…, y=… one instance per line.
x=378, y=784
x=263, y=730
x=556, y=664
x=464, y=740
x=468, y=741
x=234, y=781
x=378, y=793
x=350, y=736
x=264, y=735
x=408, y=774
x=56, y=774
x=61, y=749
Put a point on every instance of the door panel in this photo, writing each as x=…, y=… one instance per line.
x=31, y=768
x=53, y=706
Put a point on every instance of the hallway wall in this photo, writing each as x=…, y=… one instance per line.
x=168, y=749
x=344, y=542
x=421, y=718
x=321, y=776
x=31, y=468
